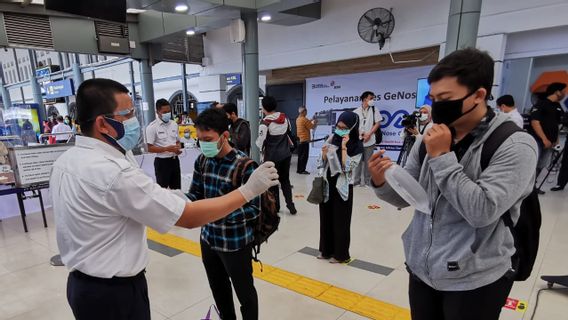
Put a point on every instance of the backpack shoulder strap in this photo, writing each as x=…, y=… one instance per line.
x=495, y=140
x=374, y=122
x=240, y=169
x=422, y=152
x=202, y=159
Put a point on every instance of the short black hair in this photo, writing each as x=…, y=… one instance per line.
x=161, y=103
x=95, y=97
x=59, y=118
x=366, y=94
x=269, y=103
x=553, y=87
x=506, y=100
x=213, y=119
x=231, y=108
x=472, y=68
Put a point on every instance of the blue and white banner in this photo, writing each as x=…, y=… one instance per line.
x=396, y=96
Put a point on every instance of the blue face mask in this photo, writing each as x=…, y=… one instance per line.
x=342, y=132
x=209, y=148
x=128, y=132
x=166, y=117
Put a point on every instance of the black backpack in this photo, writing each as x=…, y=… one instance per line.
x=268, y=220
x=526, y=232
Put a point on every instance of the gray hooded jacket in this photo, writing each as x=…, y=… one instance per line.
x=464, y=244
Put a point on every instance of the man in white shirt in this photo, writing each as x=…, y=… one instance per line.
x=506, y=104
x=103, y=202
x=61, y=127
x=163, y=139
x=369, y=122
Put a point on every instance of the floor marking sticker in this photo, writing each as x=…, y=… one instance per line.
x=324, y=292
x=516, y=305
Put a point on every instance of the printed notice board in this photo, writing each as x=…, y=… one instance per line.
x=33, y=165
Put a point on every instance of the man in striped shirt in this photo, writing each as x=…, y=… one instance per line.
x=226, y=244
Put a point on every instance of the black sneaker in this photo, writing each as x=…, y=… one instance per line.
x=557, y=188
x=292, y=209
x=304, y=172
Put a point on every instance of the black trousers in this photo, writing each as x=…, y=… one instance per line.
x=303, y=155
x=563, y=174
x=168, y=172
x=335, y=223
x=93, y=298
x=222, y=268
x=283, y=167
x=484, y=303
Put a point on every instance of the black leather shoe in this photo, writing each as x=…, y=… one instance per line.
x=292, y=209
x=540, y=192
x=304, y=172
x=557, y=188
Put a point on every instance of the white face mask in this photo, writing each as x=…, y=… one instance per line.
x=371, y=103
x=423, y=117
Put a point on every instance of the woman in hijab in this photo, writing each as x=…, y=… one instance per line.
x=340, y=156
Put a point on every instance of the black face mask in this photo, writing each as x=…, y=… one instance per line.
x=448, y=111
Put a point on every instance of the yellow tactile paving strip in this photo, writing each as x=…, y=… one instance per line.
x=345, y=299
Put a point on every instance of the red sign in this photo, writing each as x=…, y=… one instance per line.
x=511, y=304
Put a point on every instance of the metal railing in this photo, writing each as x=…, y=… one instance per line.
x=71, y=135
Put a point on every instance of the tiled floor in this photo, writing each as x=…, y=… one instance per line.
x=32, y=289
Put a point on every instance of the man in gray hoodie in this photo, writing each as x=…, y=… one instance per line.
x=459, y=254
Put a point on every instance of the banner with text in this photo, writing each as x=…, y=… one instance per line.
x=395, y=90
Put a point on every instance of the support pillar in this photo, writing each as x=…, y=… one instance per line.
x=36, y=91
x=147, y=85
x=250, y=77
x=77, y=74
x=6, y=100
x=60, y=62
x=463, y=24
x=132, y=82
x=18, y=74
x=184, y=88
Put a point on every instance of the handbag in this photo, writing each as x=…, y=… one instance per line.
x=209, y=316
x=316, y=196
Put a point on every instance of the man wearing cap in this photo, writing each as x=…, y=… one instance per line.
x=546, y=116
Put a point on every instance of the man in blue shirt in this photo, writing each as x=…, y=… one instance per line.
x=226, y=244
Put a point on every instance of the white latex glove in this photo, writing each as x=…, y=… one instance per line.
x=264, y=177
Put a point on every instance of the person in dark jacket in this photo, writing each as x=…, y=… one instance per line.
x=274, y=142
x=546, y=117
x=239, y=130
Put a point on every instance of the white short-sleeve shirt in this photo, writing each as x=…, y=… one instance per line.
x=62, y=128
x=102, y=203
x=517, y=118
x=162, y=134
x=366, y=122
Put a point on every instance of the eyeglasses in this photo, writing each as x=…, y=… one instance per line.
x=127, y=113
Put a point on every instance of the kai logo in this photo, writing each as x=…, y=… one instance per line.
x=332, y=85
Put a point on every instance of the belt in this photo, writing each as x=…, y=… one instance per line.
x=81, y=275
x=169, y=158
